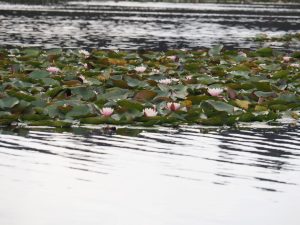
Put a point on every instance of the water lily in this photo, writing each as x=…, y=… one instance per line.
x=175, y=80
x=155, y=70
x=296, y=65
x=215, y=91
x=189, y=77
x=172, y=57
x=85, y=53
x=140, y=69
x=286, y=58
x=165, y=81
x=150, y=112
x=82, y=79
x=53, y=69
x=241, y=53
x=173, y=106
x=107, y=111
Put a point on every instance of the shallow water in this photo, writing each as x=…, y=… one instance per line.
x=163, y=177
x=133, y=25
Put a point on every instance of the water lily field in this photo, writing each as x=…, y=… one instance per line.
x=149, y=113
x=177, y=87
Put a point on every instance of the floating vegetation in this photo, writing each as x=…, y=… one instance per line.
x=62, y=88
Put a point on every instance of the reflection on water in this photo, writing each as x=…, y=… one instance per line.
x=132, y=25
x=187, y=176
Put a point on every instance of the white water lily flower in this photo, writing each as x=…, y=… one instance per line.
x=296, y=65
x=107, y=111
x=172, y=57
x=165, y=81
x=155, y=70
x=175, y=80
x=140, y=69
x=189, y=77
x=149, y=112
x=85, y=53
x=53, y=69
x=173, y=106
x=215, y=91
x=83, y=79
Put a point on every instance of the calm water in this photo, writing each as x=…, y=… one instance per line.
x=167, y=177
x=189, y=176
x=132, y=25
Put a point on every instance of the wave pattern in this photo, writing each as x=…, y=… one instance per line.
x=113, y=174
x=132, y=25
x=234, y=151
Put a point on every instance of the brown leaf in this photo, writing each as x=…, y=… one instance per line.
x=231, y=93
x=145, y=95
x=72, y=83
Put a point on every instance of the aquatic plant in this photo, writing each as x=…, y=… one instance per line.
x=150, y=112
x=215, y=91
x=212, y=87
x=173, y=106
x=107, y=111
x=280, y=38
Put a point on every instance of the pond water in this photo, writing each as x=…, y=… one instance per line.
x=132, y=25
x=186, y=176
x=164, y=177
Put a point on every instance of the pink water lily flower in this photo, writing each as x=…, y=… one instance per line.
x=140, y=69
x=172, y=57
x=286, y=58
x=107, y=111
x=173, y=106
x=149, y=112
x=85, y=53
x=53, y=69
x=165, y=81
x=215, y=91
x=240, y=53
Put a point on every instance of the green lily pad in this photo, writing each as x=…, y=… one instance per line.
x=215, y=50
x=221, y=106
x=8, y=102
x=39, y=74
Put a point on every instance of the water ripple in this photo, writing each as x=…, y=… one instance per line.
x=135, y=25
x=102, y=169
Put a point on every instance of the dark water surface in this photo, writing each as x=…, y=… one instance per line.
x=132, y=25
x=168, y=177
